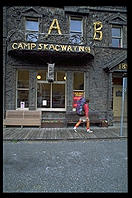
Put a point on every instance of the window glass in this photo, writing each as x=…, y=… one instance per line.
x=32, y=25
x=76, y=96
x=78, y=87
x=116, y=43
x=75, y=25
x=75, y=38
x=22, y=96
x=43, y=95
x=58, y=100
x=78, y=81
x=33, y=37
x=41, y=75
x=116, y=32
x=60, y=76
x=23, y=79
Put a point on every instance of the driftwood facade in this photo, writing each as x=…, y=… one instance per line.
x=53, y=55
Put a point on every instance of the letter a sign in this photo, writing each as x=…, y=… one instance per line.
x=54, y=25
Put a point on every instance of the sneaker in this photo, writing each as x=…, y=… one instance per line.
x=75, y=129
x=89, y=131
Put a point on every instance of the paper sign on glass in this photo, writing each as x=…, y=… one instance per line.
x=44, y=102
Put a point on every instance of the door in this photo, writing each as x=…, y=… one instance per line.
x=117, y=102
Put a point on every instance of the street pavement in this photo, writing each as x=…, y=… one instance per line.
x=98, y=165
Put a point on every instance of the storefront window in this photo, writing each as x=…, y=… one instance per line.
x=78, y=87
x=51, y=95
x=22, y=89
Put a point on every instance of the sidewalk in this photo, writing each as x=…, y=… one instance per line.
x=30, y=134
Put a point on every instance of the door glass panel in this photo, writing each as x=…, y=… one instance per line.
x=43, y=95
x=58, y=100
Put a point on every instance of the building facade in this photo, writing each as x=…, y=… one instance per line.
x=54, y=55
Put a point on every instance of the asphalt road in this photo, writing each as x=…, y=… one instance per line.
x=65, y=166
